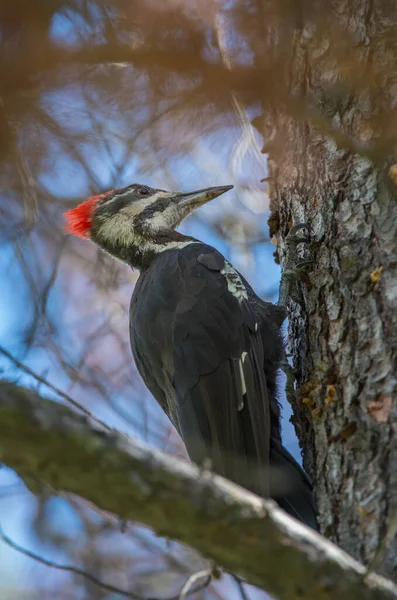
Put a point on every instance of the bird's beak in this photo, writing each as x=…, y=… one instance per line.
x=200, y=197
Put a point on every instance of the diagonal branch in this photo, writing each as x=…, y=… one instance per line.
x=232, y=527
x=190, y=589
x=71, y=569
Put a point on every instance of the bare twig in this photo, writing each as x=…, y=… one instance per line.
x=247, y=139
x=69, y=568
x=240, y=585
x=52, y=387
x=192, y=589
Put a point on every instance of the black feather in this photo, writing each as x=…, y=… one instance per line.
x=211, y=359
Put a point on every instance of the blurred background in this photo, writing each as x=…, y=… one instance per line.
x=97, y=95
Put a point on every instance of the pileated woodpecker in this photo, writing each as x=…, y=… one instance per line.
x=207, y=347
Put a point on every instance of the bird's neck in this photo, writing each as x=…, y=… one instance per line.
x=141, y=250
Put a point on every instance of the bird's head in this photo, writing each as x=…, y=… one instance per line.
x=136, y=219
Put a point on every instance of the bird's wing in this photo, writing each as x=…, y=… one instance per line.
x=152, y=315
x=198, y=347
x=220, y=388
x=203, y=349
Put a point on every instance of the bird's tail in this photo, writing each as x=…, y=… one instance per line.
x=295, y=494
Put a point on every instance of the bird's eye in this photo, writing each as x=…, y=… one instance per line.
x=142, y=191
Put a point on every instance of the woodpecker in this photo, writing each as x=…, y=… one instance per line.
x=207, y=347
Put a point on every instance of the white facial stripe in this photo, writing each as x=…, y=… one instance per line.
x=174, y=213
x=170, y=217
x=160, y=194
x=119, y=230
x=158, y=248
x=150, y=199
x=133, y=209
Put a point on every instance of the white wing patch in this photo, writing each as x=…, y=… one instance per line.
x=234, y=283
x=243, y=384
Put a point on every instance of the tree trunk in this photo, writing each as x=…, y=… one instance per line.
x=331, y=168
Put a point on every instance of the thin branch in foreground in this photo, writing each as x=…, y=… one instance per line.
x=240, y=585
x=52, y=387
x=68, y=568
x=191, y=589
x=230, y=526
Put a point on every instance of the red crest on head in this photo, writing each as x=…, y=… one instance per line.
x=79, y=219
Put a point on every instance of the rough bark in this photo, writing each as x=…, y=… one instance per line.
x=44, y=441
x=330, y=167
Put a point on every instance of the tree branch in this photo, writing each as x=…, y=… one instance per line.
x=69, y=568
x=232, y=527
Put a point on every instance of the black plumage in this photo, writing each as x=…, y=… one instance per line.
x=189, y=333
